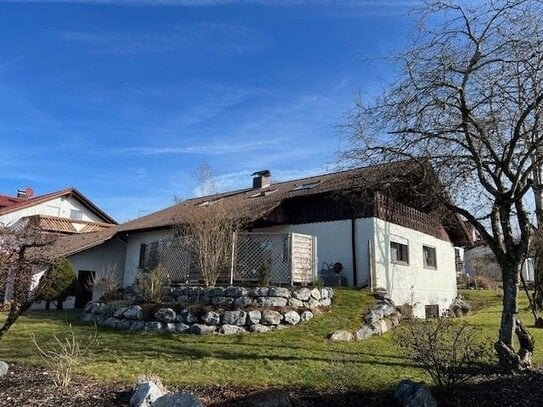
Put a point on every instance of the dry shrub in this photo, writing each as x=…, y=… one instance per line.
x=107, y=282
x=153, y=284
x=209, y=234
x=482, y=282
x=448, y=350
x=65, y=354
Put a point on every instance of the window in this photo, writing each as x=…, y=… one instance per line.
x=308, y=185
x=76, y=214
x=399, y=253
x=149, y=255
x=429, y=257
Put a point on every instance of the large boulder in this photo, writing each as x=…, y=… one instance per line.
x=146, y=394
x=211, y=318
x=137, y=326
x=165, y=315
x=222, y=301
x=201, y=329
x=134, y=312
x=4, y=368
x=243, y=301
x=306, y=316
x=235, y=291
x=254, y=317
x=295, y=303
x=341, y=336
x=292, y=317
x=271, y=301
x=279, y=292
x=364, y=333
x=231, y=329
x=270, y=317
x=316, y=293
x=235, y=318
x=302, y=294
x=258, y=328
x=411, y=394
x=182, y=399
x=153, y=326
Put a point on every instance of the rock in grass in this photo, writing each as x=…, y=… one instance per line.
x=146, y=394
x=231, y=329
x=182, y=399
x=165, y=315
x=413, y=394
x=341, y=336
x=4, y=368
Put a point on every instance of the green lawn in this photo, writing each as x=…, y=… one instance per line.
x=298, y=356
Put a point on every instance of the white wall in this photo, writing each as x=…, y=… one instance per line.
x=334, y=243
x=413, y=284
x=133, y=245
x=108, y=257
x=55, y=207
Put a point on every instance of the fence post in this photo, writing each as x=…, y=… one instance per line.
x=234, y=240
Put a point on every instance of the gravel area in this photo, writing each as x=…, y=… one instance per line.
x=31, y=386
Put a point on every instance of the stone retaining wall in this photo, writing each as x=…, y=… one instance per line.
x=230, y=310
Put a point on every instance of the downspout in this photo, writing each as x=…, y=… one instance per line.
x=353, y=250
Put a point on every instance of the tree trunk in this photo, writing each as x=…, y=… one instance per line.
x=14, y=313
x=511, y=325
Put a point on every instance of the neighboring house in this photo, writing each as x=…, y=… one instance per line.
x=479, y=260
x=64, y=212
x=364, y=219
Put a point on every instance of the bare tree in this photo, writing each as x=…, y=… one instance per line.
x=467, y=103
x=208, y=233
x=206, y=179
x=23, y=270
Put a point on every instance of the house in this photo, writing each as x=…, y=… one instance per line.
x=377, y=229
x=63, y=212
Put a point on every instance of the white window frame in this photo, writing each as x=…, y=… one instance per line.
x=400, y=243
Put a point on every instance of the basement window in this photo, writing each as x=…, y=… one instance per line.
x=429, y=257
x=309, y=185
x=399, y=253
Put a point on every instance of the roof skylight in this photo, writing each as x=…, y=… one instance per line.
x=308, y=185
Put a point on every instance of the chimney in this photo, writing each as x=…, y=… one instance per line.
x=25, y=193
x=261, y=179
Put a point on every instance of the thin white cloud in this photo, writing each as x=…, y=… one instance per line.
x=212, y=37
x=207, y=149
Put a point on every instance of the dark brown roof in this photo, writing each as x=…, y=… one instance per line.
x=72, y=244
x=255, y=203
x=25, y=203
x=258, y=203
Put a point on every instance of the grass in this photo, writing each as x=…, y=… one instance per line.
x=299, y=356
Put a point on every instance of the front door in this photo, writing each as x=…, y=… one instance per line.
x=84, y=293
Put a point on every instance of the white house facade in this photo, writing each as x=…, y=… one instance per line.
x=379, y=242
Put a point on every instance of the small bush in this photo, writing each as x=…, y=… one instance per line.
x=64, y=354
x=448, y=350
x=60, y=282
x=108, y=283
x=153, y=284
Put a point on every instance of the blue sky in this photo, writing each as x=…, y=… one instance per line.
x=125, y=99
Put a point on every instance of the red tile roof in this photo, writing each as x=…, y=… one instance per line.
x=7, y=201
